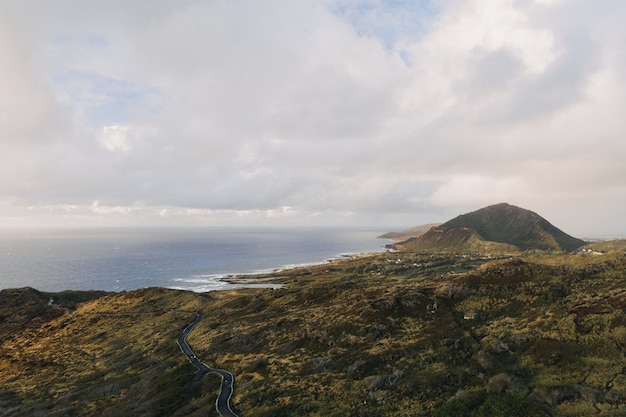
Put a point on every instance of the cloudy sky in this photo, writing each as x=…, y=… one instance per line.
x=378, y=113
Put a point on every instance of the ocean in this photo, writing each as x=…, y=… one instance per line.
x=190, y=259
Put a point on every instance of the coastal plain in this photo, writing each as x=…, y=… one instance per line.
x=532, y=333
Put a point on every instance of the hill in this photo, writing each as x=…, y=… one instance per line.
x=383, y=335
x=93, y=353
x=23, y=306
x=408, y=233
x=500, y=228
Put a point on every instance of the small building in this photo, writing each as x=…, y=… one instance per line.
x=470, y=316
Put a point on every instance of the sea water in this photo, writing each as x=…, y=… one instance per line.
x=191, y=259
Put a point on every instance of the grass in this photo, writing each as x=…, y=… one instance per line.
x=356, y=337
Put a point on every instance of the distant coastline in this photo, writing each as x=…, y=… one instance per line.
x=192, y=259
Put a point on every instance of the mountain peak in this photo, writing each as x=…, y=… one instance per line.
x=502, y=227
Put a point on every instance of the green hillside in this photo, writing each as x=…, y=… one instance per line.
x=380, y=335
x=408, y=233
x=455, y=240
x=500, y=228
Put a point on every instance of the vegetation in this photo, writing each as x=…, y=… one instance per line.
x=377, y=335
x=409, y=233
x=498, y=228
x=112, y=356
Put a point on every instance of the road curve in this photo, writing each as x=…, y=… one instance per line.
x=222, y=403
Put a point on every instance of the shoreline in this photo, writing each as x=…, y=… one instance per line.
x=258, y=279
x=196, y=260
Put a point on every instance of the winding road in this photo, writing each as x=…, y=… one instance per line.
x=222, y=403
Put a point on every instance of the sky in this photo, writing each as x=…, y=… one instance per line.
x=372, y=113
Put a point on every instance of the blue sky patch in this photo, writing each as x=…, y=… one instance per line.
x=390, y=21
x=103, y=100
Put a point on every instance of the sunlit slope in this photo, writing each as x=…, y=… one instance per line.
x=501, y=227
x=375, y=335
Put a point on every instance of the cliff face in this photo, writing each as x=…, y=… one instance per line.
x=501, y=227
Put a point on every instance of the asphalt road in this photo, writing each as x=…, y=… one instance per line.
x=222, y=404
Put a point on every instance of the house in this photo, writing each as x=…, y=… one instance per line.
x=470, y=316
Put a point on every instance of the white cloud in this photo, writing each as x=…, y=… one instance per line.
x=114, y=138
x=26, y=105
x=224, y=111
x=468, y=26
x=476, y=191
x=100, y=209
